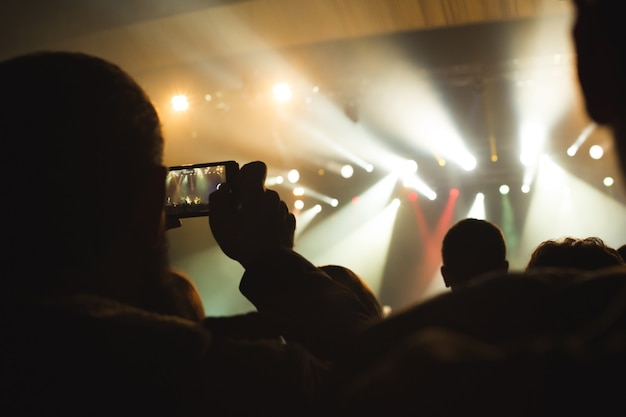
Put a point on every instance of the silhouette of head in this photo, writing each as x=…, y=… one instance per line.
x=587, y=254
x=600, y=41
x=471, y=249
x=87, y=180
x=359, y=288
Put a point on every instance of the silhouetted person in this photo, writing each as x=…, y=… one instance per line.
x=587, y=254
x=349, y=278
x=599, y=37
x=471, y=249
x=86, y=267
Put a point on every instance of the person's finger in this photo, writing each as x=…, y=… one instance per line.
x=251, y=181
x=172, y=222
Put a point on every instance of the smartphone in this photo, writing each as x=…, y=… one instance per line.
x=188, y=186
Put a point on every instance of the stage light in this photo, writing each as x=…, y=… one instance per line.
x=334, y=202
x=454, y=192
x=533, y=136
x=298, y=191
x=180, y=103
x=477, y=210
x=525, y=188
x=293, y=176
x=596, y=152
x=270, y=181
x=347, y=171
x=418, y=185
x=504, y=189
x=282, y=92
x=608, y=181
x=298, y=204
x=572, y=150
x=409, y=167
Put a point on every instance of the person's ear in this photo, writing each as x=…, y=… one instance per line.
x=444, y=274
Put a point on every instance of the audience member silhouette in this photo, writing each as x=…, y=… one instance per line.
x=586, y=254
x=471, y=249
x=186, y=301
x=86, y=267
x=349, y=278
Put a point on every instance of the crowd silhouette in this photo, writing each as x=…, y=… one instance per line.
x=95, y=322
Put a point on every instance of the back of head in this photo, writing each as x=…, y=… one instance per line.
x=600, y=40
x=587, y=254
x=359, y=288
x=84, y=139
x=470, y=249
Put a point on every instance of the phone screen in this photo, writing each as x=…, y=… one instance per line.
x=188, y=187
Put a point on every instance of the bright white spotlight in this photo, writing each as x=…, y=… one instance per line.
x=418, y=185
x=293, y=176
x=608, y=181
x=282, y=92
x=369, y=167
x=525, y=188
x=468, y=163
x=334, y=202
x=180, y=103
x=395, y=203
x=477, y=210
x=571, y=151
x=504, y=189
x=533, y=136
x=409, y=167
x=596, y=152
x=317, y=208
x=298, y=191
x=298, y=204
x=347, y=171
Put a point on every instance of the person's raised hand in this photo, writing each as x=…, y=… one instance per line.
x=248, y=220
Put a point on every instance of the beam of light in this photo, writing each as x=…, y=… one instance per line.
x=359, y=231
x=581, y=212
x=333, y=202
x=580, y=140
x=477, y=210
x=415, y=183
x=415, y=115
x=428, y=281
x=331, y=136
x=511, y=235
x=533, y=137
x=304, y=218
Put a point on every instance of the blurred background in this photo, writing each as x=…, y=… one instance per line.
x=382, y=122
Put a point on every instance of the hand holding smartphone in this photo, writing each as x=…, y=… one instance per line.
x=188, y=187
